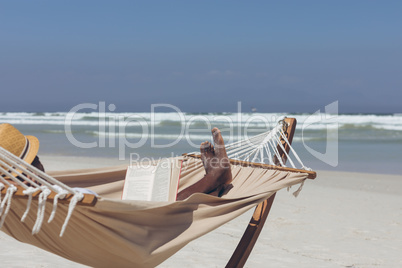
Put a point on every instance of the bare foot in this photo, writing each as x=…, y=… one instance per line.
x=221, y=157
x=217, y=168
x=207, y=152
x=216, y=162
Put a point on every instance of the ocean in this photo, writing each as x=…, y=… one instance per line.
x=345, y=142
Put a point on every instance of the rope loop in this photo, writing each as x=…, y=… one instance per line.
x=7, y=199
x=29, y=192
x=60, y=195
x=41, y=209
x=76, y=198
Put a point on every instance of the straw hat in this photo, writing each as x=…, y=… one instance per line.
x=25, y=147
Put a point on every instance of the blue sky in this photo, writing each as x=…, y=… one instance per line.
x=202, y=56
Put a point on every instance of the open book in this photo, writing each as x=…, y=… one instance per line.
x=153, y=182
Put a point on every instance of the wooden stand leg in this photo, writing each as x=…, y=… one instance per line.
x=243, y=250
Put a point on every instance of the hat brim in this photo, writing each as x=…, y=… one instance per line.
x=33, y=149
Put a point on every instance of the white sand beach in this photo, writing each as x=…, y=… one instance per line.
x=340, y=219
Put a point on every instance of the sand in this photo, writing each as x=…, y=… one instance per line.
x=341, y=219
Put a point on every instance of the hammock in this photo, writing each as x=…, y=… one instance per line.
x=103, y=231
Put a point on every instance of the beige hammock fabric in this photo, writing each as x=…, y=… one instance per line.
x=116, y=233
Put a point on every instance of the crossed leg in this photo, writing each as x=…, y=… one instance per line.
x=217, y=168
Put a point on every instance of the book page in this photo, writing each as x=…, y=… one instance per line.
x=160, y=191
x=153, y=182
x=138, y=183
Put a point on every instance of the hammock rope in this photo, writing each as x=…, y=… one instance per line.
x=263, y=147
